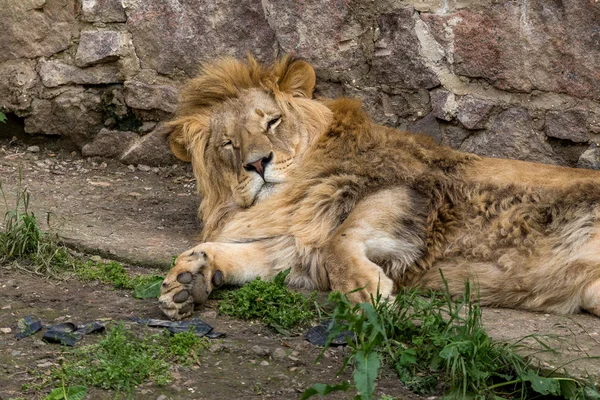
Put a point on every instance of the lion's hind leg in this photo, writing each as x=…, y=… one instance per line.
x=381, y=238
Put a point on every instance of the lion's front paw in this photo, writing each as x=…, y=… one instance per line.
x=188, y=283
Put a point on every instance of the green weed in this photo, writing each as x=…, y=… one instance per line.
x=115, y=274
x=271, y=302
x=2, y=117
x=433, y=342
x=23, y=240
x=122, y=360
x=27, y=246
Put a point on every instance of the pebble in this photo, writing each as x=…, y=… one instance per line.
x=46, y=364
x=144, y=168
x=5, y=330
x=279, y=354
x=15, y=353
x=162, y=397
x=7, y=307
x=264, y=363
x=209, y=314
x=260, y=351
x=215, y=348
x=33, y=149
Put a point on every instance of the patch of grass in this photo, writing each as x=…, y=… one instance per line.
x=434, y=342
x=115, y=274
x=271, y=302
x=24, y=244
x=23, y=240
x=122, y=360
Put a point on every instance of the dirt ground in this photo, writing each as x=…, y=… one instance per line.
x=144, y=216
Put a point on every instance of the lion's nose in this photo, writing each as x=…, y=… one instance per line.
x=259, y=165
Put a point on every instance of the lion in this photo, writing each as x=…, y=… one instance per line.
x=315, y=186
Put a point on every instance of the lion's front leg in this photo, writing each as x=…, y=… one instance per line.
x=207, y=266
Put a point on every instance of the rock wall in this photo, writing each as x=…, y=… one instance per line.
x=518, y=79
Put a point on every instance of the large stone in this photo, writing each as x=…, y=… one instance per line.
x=171, y=36
x=525, y=45
x=571, y=125
x=103, y=11
x=99, y=46
x=429, y=125
x=18, y=81
x=590, y=158
x=443, y=104
x=75, y=114
x=145, y=96
x=326, y=34
x=34, y=28
x=454, y=136
x=397, y=60
x=473, y=113
x=109, y=143
x=151, y=149
x=512, y=136
x=55, y=73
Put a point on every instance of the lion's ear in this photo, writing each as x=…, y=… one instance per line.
x=299, y=79
x=177, y=144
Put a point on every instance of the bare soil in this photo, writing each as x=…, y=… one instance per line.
x=144, y=216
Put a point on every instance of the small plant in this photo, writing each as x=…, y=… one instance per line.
x=122, y=360
x=272, y=302
x=2, y=117
x=433, y=341
x=23, y=239
x=115, y=274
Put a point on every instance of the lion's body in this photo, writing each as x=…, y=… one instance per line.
x=365, y=206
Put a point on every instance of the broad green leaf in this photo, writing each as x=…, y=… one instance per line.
x=367, y=366
x=148, y=290
x=321, y=389
x=570, y=390
x=2, y=117
x=70, y=393
x=542, y=385
x=408, y=356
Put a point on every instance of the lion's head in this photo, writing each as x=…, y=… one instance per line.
x=244, y=127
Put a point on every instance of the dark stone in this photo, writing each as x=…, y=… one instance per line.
x=34, y=28
x=454, y=136
x=428, y=125
x=512, y=136
x=145, y=96
x=571, y=125
x=99, y=46
x=443, y=104
x=18, y=81
x=538, y=44
x=397, y=60
x=57, y=73
x=76, y=114
x=109, y=143
x=151, y=149
x=473, y=113
x=176, y=36
x=590, y=158
x=103, y=11
x=326, y=34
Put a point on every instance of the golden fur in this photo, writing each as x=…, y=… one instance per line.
x=291, y=182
